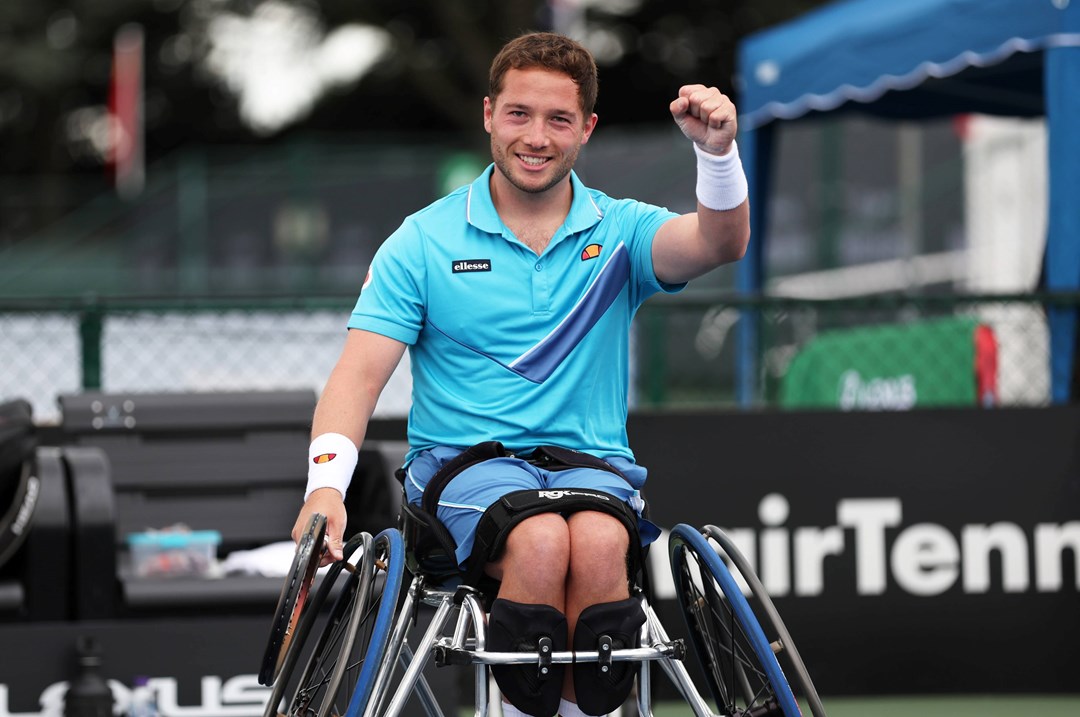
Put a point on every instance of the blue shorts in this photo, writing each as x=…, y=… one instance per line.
x=470, y=493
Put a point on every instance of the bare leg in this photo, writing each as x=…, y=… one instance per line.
x=598, y=545
x=534, y=565
x=569, y=564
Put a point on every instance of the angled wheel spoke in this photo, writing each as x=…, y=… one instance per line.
x=350, y=638
x=770, y=619
x=739, y=667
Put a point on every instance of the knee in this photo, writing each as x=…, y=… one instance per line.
x=542, y=542
x=597, y=540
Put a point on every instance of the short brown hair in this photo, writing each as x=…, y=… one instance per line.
x=548, y=51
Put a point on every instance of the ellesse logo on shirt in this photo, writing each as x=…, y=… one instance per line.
x=591, y=252
x=466, y=265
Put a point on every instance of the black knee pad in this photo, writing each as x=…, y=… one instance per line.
x=617, y=624
x=518, y=627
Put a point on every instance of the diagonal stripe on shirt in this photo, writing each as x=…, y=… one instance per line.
x=540, y=361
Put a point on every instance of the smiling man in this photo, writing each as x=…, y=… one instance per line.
x=514, y=296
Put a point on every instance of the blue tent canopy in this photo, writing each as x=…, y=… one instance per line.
x=910, y=59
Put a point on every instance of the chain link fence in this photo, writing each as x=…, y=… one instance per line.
x=846, y=354
x=51, y=348
x=697, y=350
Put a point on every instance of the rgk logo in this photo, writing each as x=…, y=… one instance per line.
x=559, y=494
x=467, y=265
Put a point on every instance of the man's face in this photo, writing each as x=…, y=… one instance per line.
x=537, y=128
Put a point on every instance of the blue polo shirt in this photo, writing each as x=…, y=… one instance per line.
x=507, y=345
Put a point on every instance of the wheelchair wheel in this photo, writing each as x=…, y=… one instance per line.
x=342, y=667
x=770, y=620
x=311, y=615
x=293, y=597
x=379, y=621
x=740, y=668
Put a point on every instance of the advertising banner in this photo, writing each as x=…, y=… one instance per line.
x=937, y=362
x=914, y=552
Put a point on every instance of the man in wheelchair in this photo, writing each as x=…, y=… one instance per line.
x=514, y=296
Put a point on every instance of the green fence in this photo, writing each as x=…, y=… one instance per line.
x=690, y=350
x=866, y=353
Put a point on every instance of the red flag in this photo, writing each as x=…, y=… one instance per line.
x=126, y=112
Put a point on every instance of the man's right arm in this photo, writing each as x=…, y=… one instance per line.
x=345, y=407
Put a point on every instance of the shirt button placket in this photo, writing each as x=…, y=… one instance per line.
x=541, y=297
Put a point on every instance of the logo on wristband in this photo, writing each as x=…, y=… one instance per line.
x=324, y=458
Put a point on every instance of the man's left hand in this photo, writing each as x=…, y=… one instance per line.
x=706, y=116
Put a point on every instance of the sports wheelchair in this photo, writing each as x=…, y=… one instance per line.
x=367, y=653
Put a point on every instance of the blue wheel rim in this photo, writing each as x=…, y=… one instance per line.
x=743, y=613
x=384, y=620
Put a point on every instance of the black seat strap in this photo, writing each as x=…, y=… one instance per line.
x=467, y=458
x=556, y=458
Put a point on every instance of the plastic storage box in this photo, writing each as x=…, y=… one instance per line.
x=172, y=553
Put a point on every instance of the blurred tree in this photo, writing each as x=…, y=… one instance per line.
x=646, y=50
x=55, y=58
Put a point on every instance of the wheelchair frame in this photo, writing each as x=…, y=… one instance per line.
x=364, y=639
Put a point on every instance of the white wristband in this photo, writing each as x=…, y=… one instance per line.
x=721, y=182
x=331, y=461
